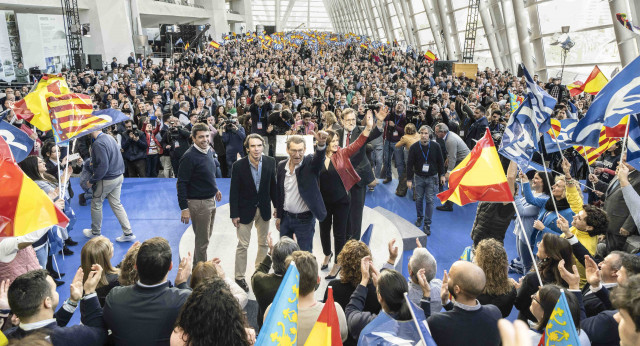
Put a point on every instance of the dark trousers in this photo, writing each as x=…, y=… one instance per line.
x=338, y=215
x=137, y=168
x=152, y=165
x=354, y=227
x=175, y=164
x=304, y=229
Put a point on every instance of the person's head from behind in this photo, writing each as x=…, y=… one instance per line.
x=200, y=135
x=201, y=272
x=592, y=220
x=491, y=257
x=283, y=248
x=466, y=280
x=422, y=259
x=410, y=129
x=98, y=250
x=295, y=148
x=154, y=261
x=349, y=261
x=32, y=296
x=391, y=289
x=308, y=268
x=224, y=323
x=544, y=301
x=551, y=250
x=626, y=298
x=128, y=272
x=630, y=266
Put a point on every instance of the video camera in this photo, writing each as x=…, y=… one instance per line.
x=230, y=123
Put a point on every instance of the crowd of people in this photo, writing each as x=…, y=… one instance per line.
x=354, y=117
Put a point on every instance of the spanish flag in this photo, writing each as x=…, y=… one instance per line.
x=33, y=107
x=591, y=154
x=429, y=55
x=186, y=47
x=555, y=129
x=326, y=330
x=479, y=177
x=619, y=130
x=214, y=44
x=24, y=207
x=364, y=46
x=594, y=83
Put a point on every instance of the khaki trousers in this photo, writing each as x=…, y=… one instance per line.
x=244, y=237
x=203, y=213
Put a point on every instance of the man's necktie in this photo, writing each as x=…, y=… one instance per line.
x=348, y=139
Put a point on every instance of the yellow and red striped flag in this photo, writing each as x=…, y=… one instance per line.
x=186, y=46
x=364, y=46
x=214, y=44
x=590, y=153
x=33, y=107
x=479, y=177
x=619, y=130
x=326, y=330
x=429, y=55
x=594, y=83
x=555, y=129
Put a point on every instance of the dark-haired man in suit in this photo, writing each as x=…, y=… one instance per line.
x=253, y=189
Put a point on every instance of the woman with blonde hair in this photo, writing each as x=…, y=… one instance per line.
x=212, y=269
x=99, y=250
x=330, y=121
x=499, y=289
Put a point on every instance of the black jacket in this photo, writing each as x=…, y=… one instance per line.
x=476, y=132
x=359, y=160
x=243, y=197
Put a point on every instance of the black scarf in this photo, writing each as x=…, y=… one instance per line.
x=561, y=204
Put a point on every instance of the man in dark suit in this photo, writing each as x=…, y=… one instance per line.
x=361, y=163
x=478, y=128
x=253, y=189
x=131, y=59
x=602, y=275
x=145, y=313
x=32, y=297
x=621, y=224
x=299, y=200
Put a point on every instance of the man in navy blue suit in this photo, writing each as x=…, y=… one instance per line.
x=299, y=200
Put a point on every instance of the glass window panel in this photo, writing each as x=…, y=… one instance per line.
x=594, y=46
x=422, y=21
x=584, y=14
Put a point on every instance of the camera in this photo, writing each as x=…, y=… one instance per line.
x=318, y=100
x=229, y=124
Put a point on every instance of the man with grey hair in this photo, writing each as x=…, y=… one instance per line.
x=424, y=165
x=264, y=284
x=422, y=259
x=456, y=150
x=183, y=113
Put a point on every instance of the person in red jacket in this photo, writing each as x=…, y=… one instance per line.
x=336, y=179
x=154, y=149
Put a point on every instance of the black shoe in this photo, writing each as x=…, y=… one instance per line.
x=386, y=181
x=65, y=250
x=401, y=193
x=55, y=275
x=81, y=200
x=326, y=266
x=58, y=282
x=70, y=242
x=331, y=277
x=419, y=222
x=427, y=230
x=445, y=208
x=243, y=285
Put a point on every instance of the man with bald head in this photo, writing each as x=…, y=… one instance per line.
x=466, y=321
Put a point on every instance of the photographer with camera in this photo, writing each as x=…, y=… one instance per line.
x=394, y=130
x=176, y=142
x=134, y=146
x=305, y=126
x=260, y=110
x=496, y=126
x=233, y=138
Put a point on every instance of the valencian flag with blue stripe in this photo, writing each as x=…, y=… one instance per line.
x=72, y=115
x=618, y=99
x=560, y=330
x=281, y=324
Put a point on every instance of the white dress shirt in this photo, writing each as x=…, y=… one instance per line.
x=293, y=202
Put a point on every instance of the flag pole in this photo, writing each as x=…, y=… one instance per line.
x=524, y=234
x=546, y=175
x=415, y=320
x=624, y=140
x=66, y=174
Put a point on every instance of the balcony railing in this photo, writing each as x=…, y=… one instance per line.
x=181, y=3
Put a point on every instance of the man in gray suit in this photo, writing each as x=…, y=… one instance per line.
x=621, y=224
x=457, y=150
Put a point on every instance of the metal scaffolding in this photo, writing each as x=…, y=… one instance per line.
x=73, y=31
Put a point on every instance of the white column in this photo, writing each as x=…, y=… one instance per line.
x=454, y=30
x=627, y=44
x=244, y=8
x=501, y=37
x=216, y=12
x=507, y=15
x=403, y=26
x=387, y=18
x=278, y=17
x=490, y=33
x=434, y=24
x=526, y=53
x=536, y=40
x=109, y=37
x=452, y=50
x=414, y=29
x=371, y=18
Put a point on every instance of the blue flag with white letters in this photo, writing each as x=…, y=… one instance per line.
x=633, y=142
x=19, y=142
x=542, y=105
x=518, y=141
x=564, y=139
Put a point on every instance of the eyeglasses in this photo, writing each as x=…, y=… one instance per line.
x=533, y=297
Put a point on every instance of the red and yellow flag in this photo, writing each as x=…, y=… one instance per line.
x=186, y=46
x=429, y=55
x=594, y=83
x=590, y=153
x=214, y=44
x=33, y=107
x=364, y=46
x=619, y=130
x=24, y=207
x=326, y=330
x=479, y=177
x=555, y=129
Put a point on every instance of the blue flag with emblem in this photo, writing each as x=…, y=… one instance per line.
x=281, y=324
x=564, y=139
x=179, y=41
x=619, y=98
x=366, y=236
x=518, y=143
x=560, y=330
x=19, y=142
x=542, y=105
x=572, y=111
x=421, y=322
x=633, y=142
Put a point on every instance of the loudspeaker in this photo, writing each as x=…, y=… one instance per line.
x=440, y=65
x=520, y=71
x=95, y=62
x=270, y=29
x=79, y=61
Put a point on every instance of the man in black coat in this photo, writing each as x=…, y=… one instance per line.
x=477, y=129
x=299, y=199
x=253, y=189
x=361, y=163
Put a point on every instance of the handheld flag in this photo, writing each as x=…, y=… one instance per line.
x=515, y=101
x=560, y=329
x=555, y=129
x=421, y=322
x=479, y=177
x=72, y=116
x=33, y=107
x=633, y=142
x=179, y=41
x=186, y=46
x=18, y=141
x=429, y=55
x=572, y=111
x=24, y=207
x=542, y=105
x=563, y=135
x=594, y=83
x=214, y=44
x=619, y=98
x=281, y=324
x=622, y=19
x=592, y=153
x=366, y=236
x=364, y=46
x=518, y=143
x=326, y=330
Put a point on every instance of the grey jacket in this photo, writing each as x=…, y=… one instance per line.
x=457, y=150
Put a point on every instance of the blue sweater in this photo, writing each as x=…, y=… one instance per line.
x=234, y=142
x=106, y=159
x=548, y=218
x=196, y=176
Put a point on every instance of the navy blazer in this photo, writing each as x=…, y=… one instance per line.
x=243, y=197
x=359, y=160
x=476, y=132
x=307, y=175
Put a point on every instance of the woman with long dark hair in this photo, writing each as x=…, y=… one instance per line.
x=542, y=304
x=551, y=250
x=212, y=316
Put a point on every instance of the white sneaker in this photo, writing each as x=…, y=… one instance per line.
x=124, y=238
x=89, y=233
